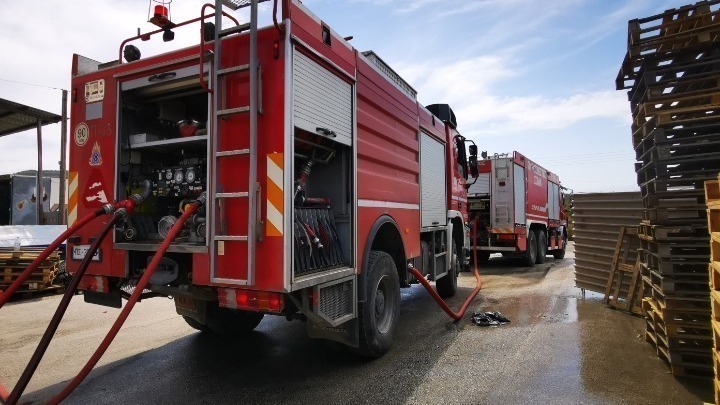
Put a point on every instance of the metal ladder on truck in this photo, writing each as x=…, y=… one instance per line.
x=218, y=236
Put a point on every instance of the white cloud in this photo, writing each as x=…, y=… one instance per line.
x=473, y=86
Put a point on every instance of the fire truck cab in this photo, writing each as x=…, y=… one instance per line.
x=325, y=178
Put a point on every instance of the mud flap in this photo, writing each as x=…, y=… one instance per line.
x=192, y=308
x=111, y=299
x=346, y=333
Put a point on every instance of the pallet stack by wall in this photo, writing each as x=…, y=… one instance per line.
x=13, y=262
x=672, y=71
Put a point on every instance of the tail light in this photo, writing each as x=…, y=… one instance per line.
x=249, y=300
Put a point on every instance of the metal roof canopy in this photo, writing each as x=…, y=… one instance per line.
x=15, y=117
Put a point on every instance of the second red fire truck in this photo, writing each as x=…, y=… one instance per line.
x=519, y=209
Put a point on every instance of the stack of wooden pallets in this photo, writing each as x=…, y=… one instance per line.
x=672, y=71
x=712, y=193
x=13, y=262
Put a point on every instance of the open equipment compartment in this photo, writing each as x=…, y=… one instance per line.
x=323, y=204
x=163, y=138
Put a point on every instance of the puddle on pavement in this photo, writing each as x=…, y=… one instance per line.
x=535, y=309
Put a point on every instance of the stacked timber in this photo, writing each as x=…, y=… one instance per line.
x=712, y=196
x=13, y=262
x=672, y=71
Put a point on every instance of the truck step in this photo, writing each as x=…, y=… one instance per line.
x=233, y=69
x=232, y=111
x=234, y=30
x=231, y=195
x=233, y=152
x=231, y=238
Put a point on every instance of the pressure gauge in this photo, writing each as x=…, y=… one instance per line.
x=178, y=176
x=190, y=175
x=168, y=175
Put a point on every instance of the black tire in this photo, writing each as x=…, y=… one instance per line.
x=541, y=246
x=559, y=254
x=446, y=286
x=378, y=315
x=531, y=250
x=230, y=322
x=196, y=325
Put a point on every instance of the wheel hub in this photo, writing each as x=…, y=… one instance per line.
x=379, y=303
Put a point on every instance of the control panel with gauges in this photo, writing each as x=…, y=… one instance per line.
x=179, y=181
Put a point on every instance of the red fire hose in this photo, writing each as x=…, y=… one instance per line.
x=144, y=280
x=5, y=295
x=461, y=312
x=37, y=356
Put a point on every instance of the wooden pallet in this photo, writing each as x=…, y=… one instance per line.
x=671, y=24
x=697, y=250
x=682, y=364
x=671, y=233
x=623, y=267
x=13, y=262
x=645, y=139
x=693, y=285
x=674, y=266
x=667, y=186
x=678, y=303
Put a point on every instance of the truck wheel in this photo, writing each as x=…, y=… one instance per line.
x=446, y=286
x=531, y=250
x=232, y=322
x=196, y=325
x=378, y=315
x=560, y=253
x=541, y=247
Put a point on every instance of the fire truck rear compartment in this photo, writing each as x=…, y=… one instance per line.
x=163, y=139
x=322, y=204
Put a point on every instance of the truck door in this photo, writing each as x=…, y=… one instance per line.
x=501, y=201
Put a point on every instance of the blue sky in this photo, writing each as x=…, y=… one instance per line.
x=533, y=76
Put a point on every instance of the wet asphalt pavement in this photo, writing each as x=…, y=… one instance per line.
x=559, y=348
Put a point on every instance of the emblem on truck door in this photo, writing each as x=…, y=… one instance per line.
x=82, y=134
x=95, y=156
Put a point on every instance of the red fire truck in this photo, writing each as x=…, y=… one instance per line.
x=519, y=210
x=325, y=179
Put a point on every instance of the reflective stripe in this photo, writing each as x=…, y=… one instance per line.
x=72, y=198
x=387, y=204
x=502, y=230
x=275, y=195
x=227, y=298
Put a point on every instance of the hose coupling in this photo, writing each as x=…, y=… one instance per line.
x=202, y=198
x=122, y=213
x=108, y=208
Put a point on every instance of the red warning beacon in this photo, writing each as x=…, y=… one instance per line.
x=159, y=13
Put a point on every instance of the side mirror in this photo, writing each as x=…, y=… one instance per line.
x=461, y=155
x=473, y=162
x=474, y=171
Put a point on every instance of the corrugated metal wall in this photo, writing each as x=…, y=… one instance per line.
x=597, y=220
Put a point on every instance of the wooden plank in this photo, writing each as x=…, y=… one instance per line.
x=712, y=194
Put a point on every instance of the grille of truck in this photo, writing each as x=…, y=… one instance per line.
x=335, y=301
